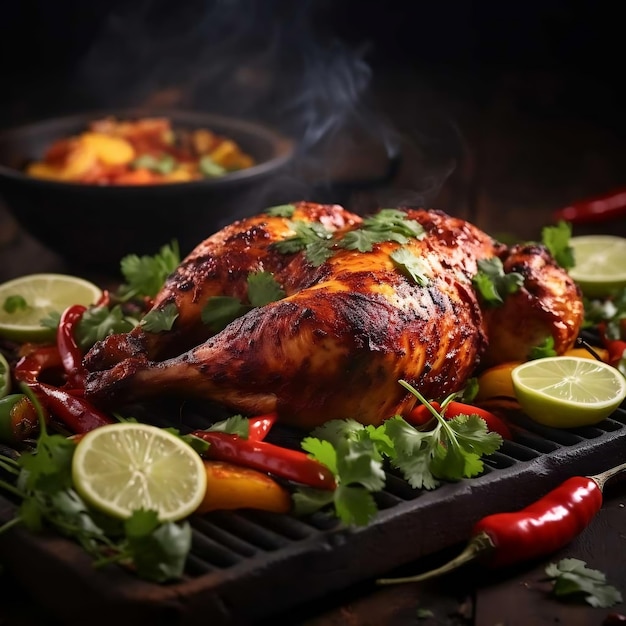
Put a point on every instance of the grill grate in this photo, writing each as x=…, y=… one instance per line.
x=262, y=554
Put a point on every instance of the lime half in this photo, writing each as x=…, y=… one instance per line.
x=600, y=264
x=5, y=376
x=120, y=468
x=566, y=392
x=25, y=301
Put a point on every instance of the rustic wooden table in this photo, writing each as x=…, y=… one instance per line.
x=504, y=151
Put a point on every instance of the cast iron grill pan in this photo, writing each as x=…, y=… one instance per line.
x=245, y=566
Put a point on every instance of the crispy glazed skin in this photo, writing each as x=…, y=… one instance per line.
x=347, y=331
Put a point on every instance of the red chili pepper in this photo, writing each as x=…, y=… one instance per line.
x=260, y=425
x=543, y=527
x=71, y=353
x=284, y=462
x=420, y=415
x=610, y=205
x=105, y=299
x=75, y=413
x=30, y=366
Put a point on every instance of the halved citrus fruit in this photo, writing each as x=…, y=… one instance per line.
x=25, y=301
x=5, y=376
x=120, y=468
x=567, y=391
x=600, y=264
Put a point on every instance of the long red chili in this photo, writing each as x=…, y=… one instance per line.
x=75, y=413
x=610, y=205
x=543, y=527
x=70, y=351
x=30, y=366
x=259, y=426
x=267, y=457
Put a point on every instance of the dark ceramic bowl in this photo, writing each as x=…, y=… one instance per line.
x=94, y=226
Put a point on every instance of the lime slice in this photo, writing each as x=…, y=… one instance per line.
x=5, y=376
x=120, y=468
x=568, y=391
x=25, y=301
x=600, y=264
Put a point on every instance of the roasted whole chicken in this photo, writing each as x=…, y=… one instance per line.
x=347, y=326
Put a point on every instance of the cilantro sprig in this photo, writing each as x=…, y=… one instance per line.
x=492, y=284
x=572, y=578
x=263, y=288
x=42, y=481
x=557, y=240
x=311, y=237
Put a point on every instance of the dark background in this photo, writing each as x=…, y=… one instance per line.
x=72, y=55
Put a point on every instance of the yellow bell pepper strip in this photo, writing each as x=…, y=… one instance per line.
x=231, y=486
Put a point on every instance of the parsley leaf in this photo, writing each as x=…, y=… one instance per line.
x=351, y=451
x=573, y=577
x=281, y=210
x=99, y=322
x=312, y=237
x=451, y=451
x=556, y=239
x=544, y=349
x=160, y=320
x=219, y=311
x=263, y=289
x=386, y=225
x=145, y=275
x=492, y=284
x=412, y=265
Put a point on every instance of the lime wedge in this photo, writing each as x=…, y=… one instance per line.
x=25, y=301
x=568, y=391
x=120, y=468
x=600, y=264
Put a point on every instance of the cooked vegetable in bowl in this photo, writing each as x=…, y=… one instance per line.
x=94, y=225
x=143, y=151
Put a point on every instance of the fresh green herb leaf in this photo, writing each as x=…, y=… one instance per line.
x=209, y=168
x=161, y=165
x=312, y=238
x=160, y=320
x=100, y=322
x=263, y=289
x=386, y=225
x=610, y=312
x=543, y=350
x=158, y=551
x=52, y=320
x=556, y=239
x=234, y=425
x=13, y=304
x=219, y=311
x=492, y=284
x=572, y=577
x=281, y=210
x=412, y=265
x=352, y=453
x=451, y=451
x=145, y=275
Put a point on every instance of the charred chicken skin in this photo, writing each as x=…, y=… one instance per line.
x=347, y=328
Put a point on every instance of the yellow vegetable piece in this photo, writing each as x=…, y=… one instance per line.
x=178, y=175
x=232, y=487
x=496, y=382
x=79, y=161
x=43, y=170
x=110, y=150
x=583, y=353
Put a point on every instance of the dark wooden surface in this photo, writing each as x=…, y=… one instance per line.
x=505, y=150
